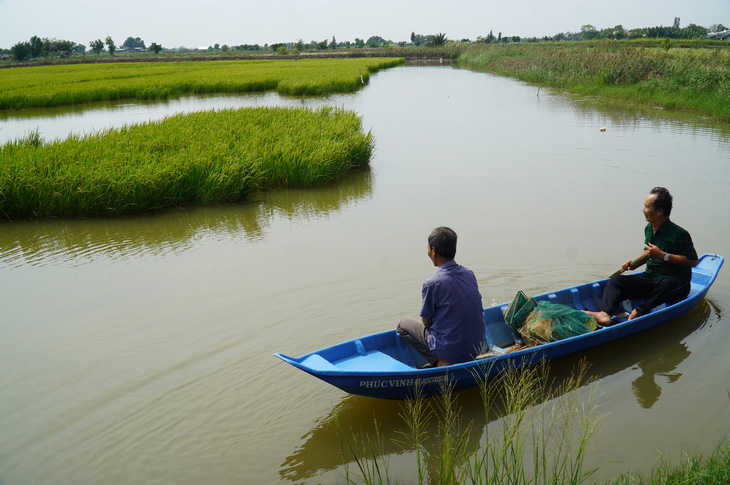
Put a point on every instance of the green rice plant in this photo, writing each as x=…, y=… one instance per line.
x=45, y=86
x=200, y=158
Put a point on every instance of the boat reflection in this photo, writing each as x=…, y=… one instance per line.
x=358, y=419
x=665, y=362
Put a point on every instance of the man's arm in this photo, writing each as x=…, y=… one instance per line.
x=677, y=259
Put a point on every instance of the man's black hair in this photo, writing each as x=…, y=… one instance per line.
x=443, y=240
x=663, y=200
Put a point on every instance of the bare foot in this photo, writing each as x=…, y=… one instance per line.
x=634, y=314
x=442, y=363
x=602, y=318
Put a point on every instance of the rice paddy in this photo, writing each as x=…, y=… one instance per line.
x=200, y=158
x=58, y=85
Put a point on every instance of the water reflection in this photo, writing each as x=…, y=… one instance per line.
x=658, y=353
x=665, y=361
x=625, y=116
x=40, y=243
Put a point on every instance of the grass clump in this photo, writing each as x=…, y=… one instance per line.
x=713, y=469
x=200, y=158
x=58, y=85
x=695, y=76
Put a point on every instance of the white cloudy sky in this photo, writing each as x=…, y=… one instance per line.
x=194, y=23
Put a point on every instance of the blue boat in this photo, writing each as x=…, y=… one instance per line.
x=383, y=365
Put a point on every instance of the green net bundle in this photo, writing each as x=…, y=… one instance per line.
x=541, y=322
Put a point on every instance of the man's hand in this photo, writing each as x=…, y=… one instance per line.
x=653, y=251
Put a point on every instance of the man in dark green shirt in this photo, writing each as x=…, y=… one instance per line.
x=668, y=271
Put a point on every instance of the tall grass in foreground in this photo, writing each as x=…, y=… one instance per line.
x=713, y=469
x=689, y=78
x=200, y=158
x=542, y=437
x=58, y=85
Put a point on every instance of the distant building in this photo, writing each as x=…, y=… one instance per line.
x=724, y=35
x=133, y=49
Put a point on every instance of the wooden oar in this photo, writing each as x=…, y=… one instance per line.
x=634, y=264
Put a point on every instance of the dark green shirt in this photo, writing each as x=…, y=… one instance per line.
x=671, y=239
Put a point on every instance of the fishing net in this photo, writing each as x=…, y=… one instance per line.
x=546, y=322
x=518, y=310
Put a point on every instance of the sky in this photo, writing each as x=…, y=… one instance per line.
x=202, y=23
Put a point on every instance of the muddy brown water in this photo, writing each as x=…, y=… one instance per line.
x=139, y=349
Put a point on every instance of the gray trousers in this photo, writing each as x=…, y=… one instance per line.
x=414, y=332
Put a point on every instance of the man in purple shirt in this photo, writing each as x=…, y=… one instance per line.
x=451, y=329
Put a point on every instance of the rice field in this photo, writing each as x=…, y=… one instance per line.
x=57, y=85
x=200, y=158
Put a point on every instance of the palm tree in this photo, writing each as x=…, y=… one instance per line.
x=437, y=40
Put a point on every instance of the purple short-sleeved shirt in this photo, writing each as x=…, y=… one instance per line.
x=452, y=299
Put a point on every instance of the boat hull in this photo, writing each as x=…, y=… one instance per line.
x=383, y=365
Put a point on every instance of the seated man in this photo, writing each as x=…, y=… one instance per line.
x=669, y=268
x=451, y=329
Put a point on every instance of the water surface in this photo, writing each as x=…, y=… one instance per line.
x=138, y=349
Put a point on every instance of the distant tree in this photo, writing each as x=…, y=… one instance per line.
x=588, y=32
x=693, y=31
x=133, y=42
x=322, y=45
x=281, y=50
x=96, y=46
x=438, y=40
x=275, y=47
x=717, y=28
x=21, y=51
x=333, y=44
x=110, y=45
x=80, y=49
x=375, y=41
x=359, y=43
x=418, y=39
x=619, y=32
x=155, y=47
x=36, y=46
x=676, y=22
x=299, y=45
x=60, y=48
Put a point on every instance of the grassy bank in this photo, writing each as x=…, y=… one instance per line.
x=57, y=85
x=200, y=158
x=694, y=76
